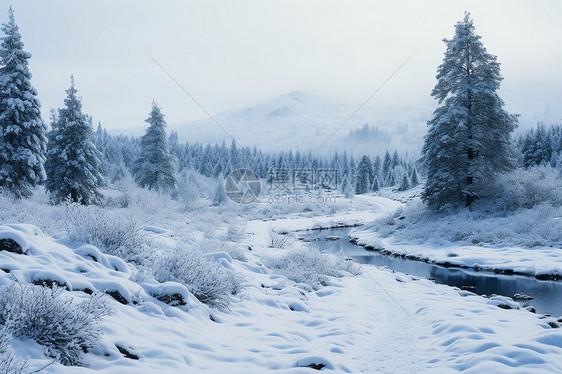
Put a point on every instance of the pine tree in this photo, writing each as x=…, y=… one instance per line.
x=469, y=136
x=405, y=184
x=414, y=179
x=364, y=173
x=155, y=168
x=73, y=163
x=23, y=140
x=386, y=165
x=347, y=188
x=376, y=185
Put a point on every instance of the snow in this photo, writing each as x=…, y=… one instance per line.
x=377, y=321
x=540, y=261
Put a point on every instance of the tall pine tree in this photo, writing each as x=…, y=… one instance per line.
x=73, y=163
x=155, y=168
x=22, y=131
x=469, y=137
x=364, y=175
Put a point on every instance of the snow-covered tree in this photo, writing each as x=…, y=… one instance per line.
x=23, y=141
x=73, y=163
x=386, y=166
x=364, y=173
x=414, y=179
x=376, y=185
x=219, y=194
x=404, y=184
x=469, y=137
x=156, y=168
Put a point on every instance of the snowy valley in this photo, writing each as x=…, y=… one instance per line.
x=297, y=235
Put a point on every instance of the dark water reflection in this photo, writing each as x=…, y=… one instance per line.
x=547, y=295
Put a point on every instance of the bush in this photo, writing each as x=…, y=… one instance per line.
x=51, y=318
x=214, y=246
x=9, y=362
x=310, y=266
x=278, y=240
x=114, y=233
x=484, y=224
x=208, y=281
x=527, y=188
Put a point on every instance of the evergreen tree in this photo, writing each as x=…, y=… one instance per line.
x=377, y=164
x=376, y=185
x=155, y=168
x=347, y=188
x=73, y=163
x=414, y=179
x=219, y=194
x=23, y=142
x=364, y=172
x=386, y=166
x=395, y=160
x=405, y=184
x=469, y=136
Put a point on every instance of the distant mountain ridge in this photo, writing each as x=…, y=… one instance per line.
x=298, y=120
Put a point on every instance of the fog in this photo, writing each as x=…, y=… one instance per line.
x=234, y=53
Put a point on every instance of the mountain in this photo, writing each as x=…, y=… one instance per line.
x=299, y=120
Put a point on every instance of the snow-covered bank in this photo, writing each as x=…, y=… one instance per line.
x=448, y=239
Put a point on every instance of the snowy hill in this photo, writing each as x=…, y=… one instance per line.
x=302, y=121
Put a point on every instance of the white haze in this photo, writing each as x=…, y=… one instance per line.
x=233, y=54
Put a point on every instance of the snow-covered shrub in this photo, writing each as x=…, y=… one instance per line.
x=112, y=198
x=483, y=225
x=9, y=362
x=210, y=282
x=235, y=231
x=526, y=188
x=114, y=231
x=306, y=265
x=34, y=210
x=214, y=246
x=145, y=201
x=50, y=317
x=191, y=186
x=278, y=240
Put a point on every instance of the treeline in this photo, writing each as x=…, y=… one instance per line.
x=216, y=161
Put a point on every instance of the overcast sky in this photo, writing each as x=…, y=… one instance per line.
x=230, y=53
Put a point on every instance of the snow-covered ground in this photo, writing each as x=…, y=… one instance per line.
x=539, y=260
x=376, y=321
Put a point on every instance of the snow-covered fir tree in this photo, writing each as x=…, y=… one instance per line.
x=73, y=163
x=23, y=141
x=155, y=168
x=386, y=166
x=414, y=179
x=469, y=136
x=376, y=185
x=364, y=173
x=404, y=184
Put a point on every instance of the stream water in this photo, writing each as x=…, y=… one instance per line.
x=546, y=294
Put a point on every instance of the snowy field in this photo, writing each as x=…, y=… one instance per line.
x=346, y=319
